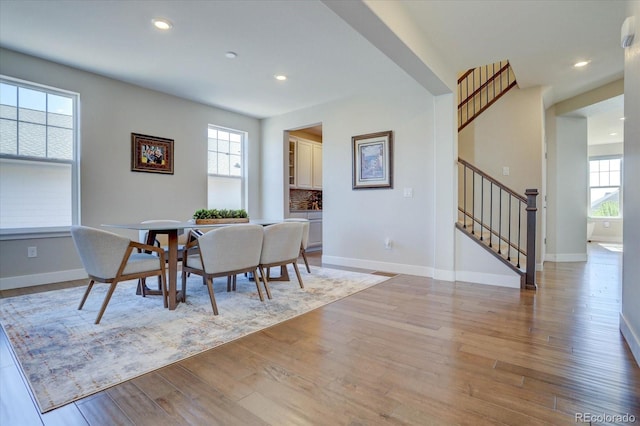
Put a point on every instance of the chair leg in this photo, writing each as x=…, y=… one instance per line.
x=304, y=257
x=211, y=296
x=234, y=281
x=142, y=282
x=266, y=286
x=184, y=286
x=86, y=294
x=106, y=301
x=165, y=292
x=228, y=283
x=255, y=278
x=295, y=266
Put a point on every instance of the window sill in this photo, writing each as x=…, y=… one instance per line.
x=604, y=218
x=34, y=233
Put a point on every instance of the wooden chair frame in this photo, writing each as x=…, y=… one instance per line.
x=208, y=278
x=265, y=276
x=120, y=276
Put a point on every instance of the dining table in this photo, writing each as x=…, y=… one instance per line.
x=172, y=229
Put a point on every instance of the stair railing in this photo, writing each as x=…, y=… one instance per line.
x=494, y=214
x=480, y=87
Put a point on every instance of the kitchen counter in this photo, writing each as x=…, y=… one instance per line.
x=315, y=226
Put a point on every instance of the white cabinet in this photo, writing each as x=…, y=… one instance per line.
x=316, y=181
x=292, y=163
x=315, y=231
x=306, y=163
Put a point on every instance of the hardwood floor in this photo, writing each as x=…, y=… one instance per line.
x=412, y=350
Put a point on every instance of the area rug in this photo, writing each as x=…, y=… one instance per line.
x=65, y=357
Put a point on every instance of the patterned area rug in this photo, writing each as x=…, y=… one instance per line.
x=66, y=357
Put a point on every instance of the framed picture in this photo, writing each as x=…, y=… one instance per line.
x=373, y=160
x=151, y=154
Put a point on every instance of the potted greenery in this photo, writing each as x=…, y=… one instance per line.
x=207, y=216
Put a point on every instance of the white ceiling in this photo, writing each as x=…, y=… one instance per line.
x=323, y=56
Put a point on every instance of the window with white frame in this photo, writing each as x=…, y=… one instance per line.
x=605, y=177
x=225, y=168
x=38, y=157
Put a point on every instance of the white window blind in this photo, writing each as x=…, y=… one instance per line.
x=38, y=157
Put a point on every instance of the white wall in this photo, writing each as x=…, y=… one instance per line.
x=489, y=270
x=630, y=315
x=110, y=192
x=567, y=203
x=510, y=134
x=356, y=222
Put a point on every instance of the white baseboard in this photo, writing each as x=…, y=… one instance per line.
x=397, y=268
x=511, y=281
x=605, y=239
x=444, y=275
x=631, y=337
x=22, y=281
x=566, y=257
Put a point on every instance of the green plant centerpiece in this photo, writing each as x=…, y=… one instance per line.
x=205, y=216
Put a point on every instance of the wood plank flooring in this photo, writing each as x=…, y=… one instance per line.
x=412, y=350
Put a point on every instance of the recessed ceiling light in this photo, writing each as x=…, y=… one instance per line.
x=162, y=24
x=581, y=64
x=622, y=118
x=231, y=55
x=280, y=77
x=612, y=134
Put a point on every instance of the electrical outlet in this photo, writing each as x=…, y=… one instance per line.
x=32, y=251
x=388, y=243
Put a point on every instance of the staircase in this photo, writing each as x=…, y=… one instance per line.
x=499, y=219
x=479, y=88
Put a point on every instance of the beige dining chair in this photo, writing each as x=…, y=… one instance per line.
x=280, y=247
x=111, y=258
x=223, y=252
x=305, y=239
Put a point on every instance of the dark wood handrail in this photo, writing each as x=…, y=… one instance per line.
x=465, y=75
x=483, y=85
x=498, y=96
x=493, y=180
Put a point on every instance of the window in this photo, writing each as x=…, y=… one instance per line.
x=225, y=152
x=605, y=175
x=38, y=157
x=225, y=168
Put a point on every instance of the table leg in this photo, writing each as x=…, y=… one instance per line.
x=173, y=268
x=284, y=274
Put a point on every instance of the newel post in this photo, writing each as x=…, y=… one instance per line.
x=531, y=238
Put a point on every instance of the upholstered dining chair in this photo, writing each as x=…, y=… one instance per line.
x=111, y=258
x=223, y=252
x=280, y=247
x=305, y=239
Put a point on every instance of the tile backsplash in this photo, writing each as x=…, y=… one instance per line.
x=302, y=199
